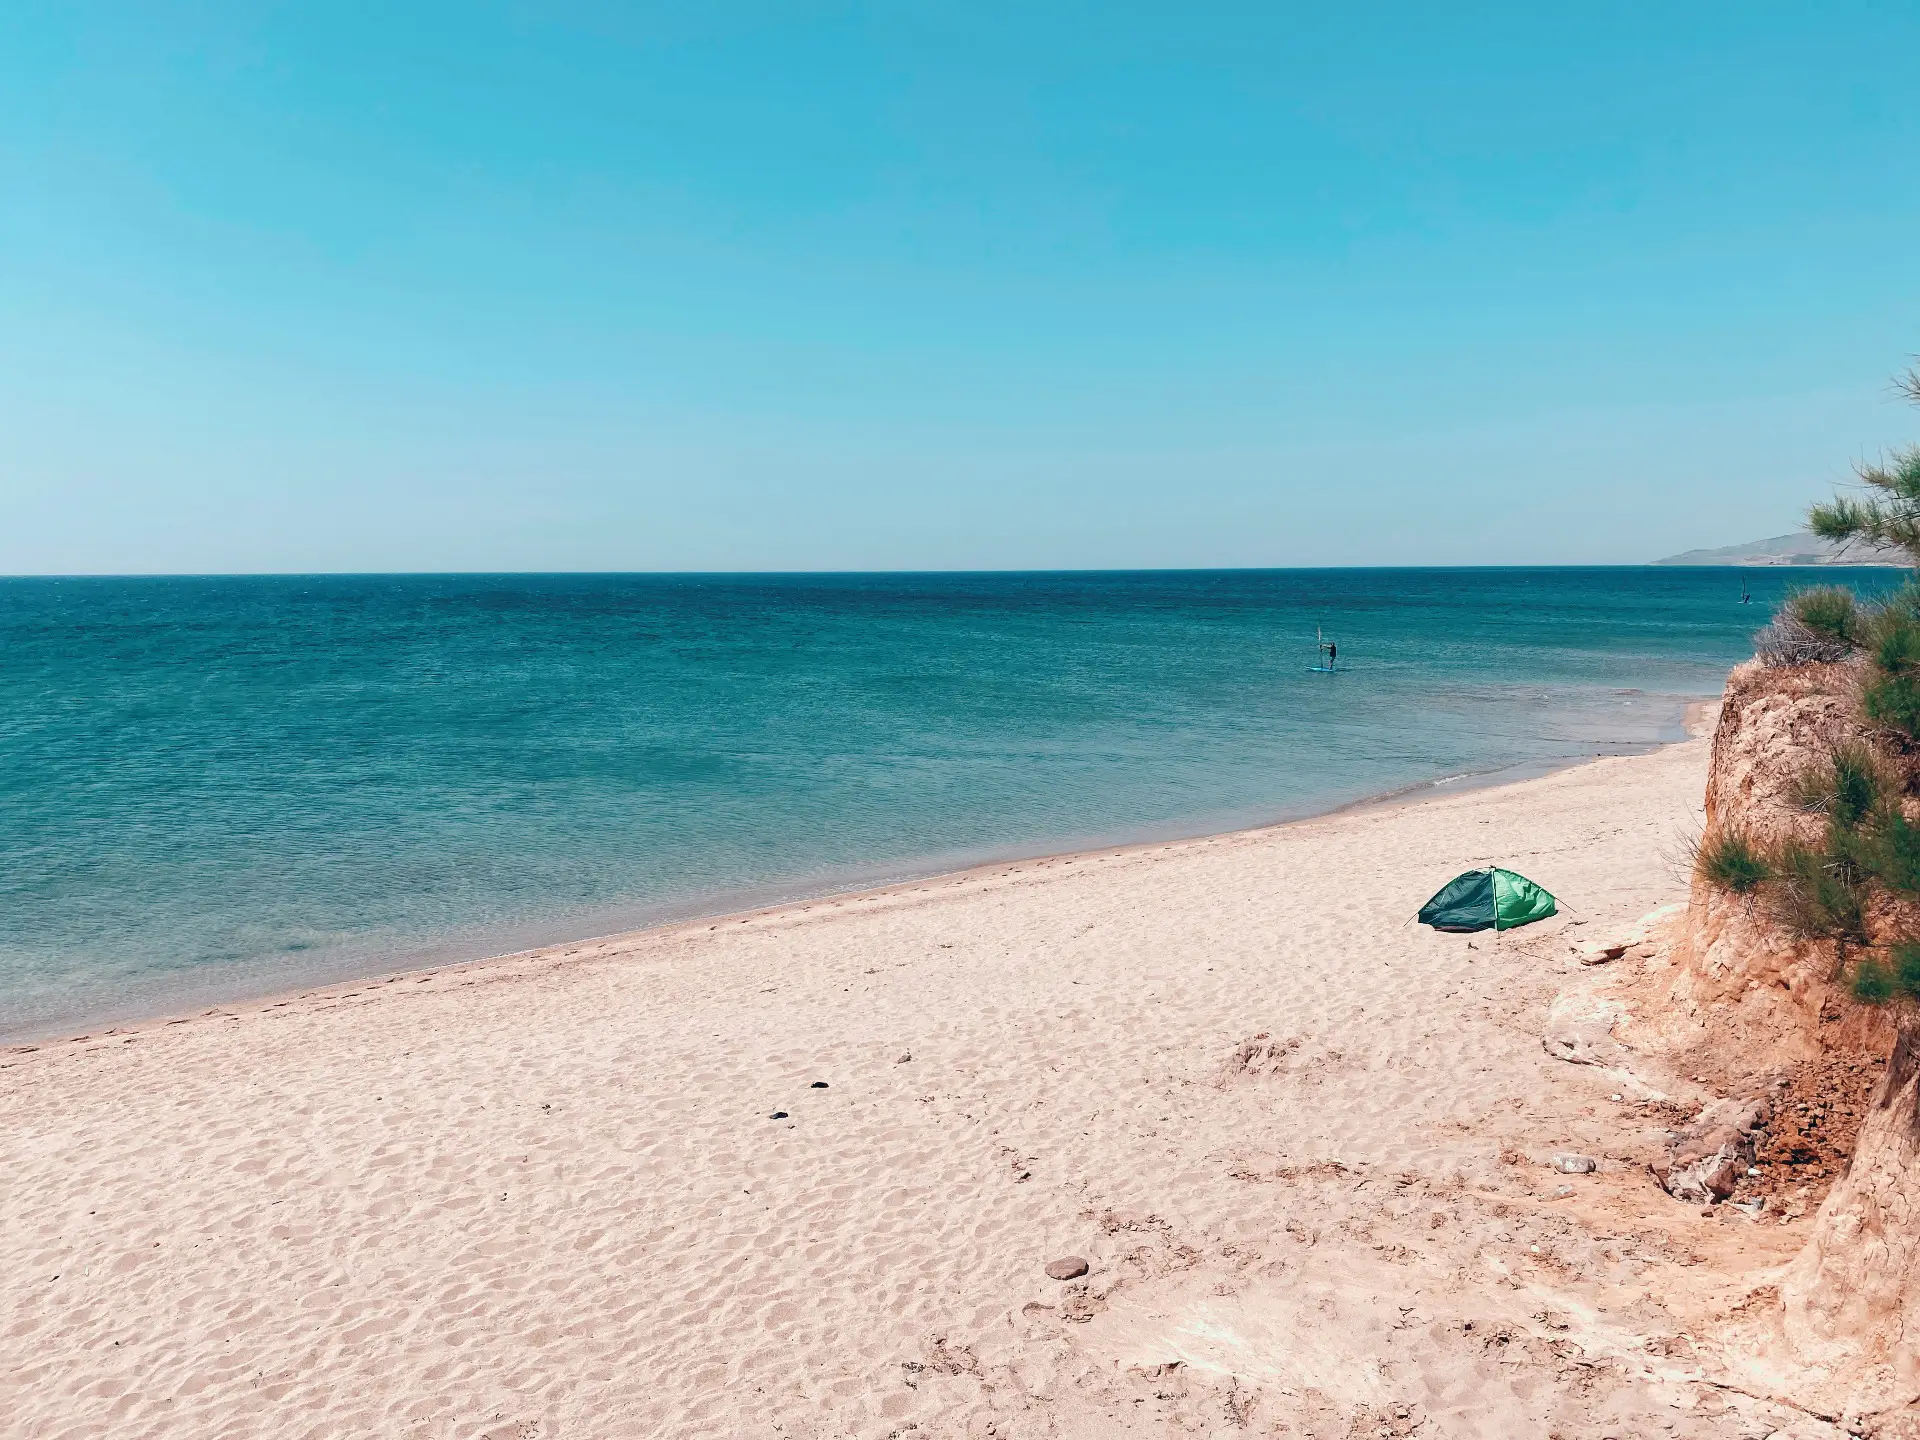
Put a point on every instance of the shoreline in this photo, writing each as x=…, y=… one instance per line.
x=740, y=905
x=803, y=1171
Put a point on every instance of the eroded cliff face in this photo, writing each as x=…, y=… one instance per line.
x=1851, y=1301
x=1745, y=991
x=1740, y=986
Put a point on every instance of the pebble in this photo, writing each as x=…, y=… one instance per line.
x=778, y=1115
x=1070, y=1267
x=818, y=1085
x=1575, y=1164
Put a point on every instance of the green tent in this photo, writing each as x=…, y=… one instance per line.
x=1490, y=899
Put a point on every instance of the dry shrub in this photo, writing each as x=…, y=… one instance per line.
x=1791, y=641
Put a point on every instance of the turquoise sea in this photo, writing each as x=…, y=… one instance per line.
x=215, y=787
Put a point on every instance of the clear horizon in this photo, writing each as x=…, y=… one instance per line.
x=897, y=571
x=836, y=289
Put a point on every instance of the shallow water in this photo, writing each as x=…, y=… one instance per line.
x=217, y=786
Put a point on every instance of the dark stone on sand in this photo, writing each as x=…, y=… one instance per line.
x=818, y=1085
x=778, y=1115
x=1071, y=1267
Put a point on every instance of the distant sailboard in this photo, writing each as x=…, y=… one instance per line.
x=1328, y=653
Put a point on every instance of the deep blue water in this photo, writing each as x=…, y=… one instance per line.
x=210, y=786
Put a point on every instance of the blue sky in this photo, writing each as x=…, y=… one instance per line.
x=712, y=286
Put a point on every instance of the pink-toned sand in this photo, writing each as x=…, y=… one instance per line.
x=1299, y=1141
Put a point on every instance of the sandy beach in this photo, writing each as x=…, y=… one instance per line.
x=1301, y=1143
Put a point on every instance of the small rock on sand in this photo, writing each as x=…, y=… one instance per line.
x=1069, y=1268
x=778, y=1115
x=1575, y=1164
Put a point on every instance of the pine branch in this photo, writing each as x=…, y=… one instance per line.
x=1846, y=520
x=1899, y=476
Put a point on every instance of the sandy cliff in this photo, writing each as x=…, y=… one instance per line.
x=1743, y=995
x=1740, y=986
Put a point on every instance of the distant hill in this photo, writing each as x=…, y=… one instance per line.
x=1799, y=548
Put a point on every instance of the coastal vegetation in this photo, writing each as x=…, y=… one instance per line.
x=1856, y=882
x=1813, y=627
x=1731, y=861
x=1830, y=612
x=1822, y=885
x=1803, y=935
x=1890, y=517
